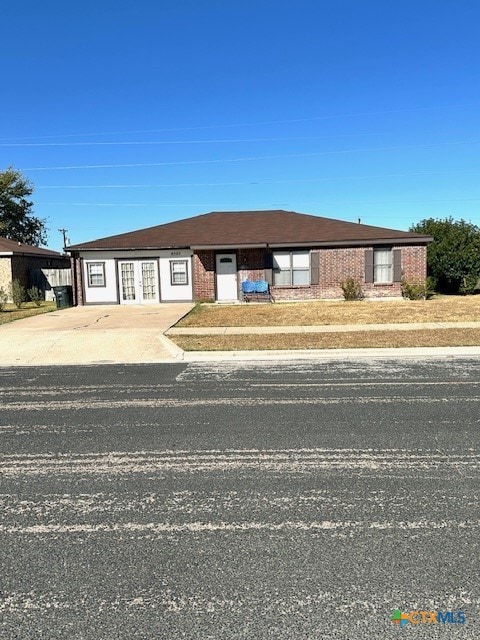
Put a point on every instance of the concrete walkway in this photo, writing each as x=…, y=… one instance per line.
x=92, y=335
x=324, y=354
x=337, y=328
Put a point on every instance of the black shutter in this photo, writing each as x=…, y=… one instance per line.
x=397, y=265
x=314, y=267
x=268, y=266
x=369, y=265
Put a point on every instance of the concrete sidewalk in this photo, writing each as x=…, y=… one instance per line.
x=336, y=328
x=323, y=354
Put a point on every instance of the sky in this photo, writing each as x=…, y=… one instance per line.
x=125, y=115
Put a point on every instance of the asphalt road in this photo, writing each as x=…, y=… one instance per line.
x=215, y=501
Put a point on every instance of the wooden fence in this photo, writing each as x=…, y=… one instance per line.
x=46, y=279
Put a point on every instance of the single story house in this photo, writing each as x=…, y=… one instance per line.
x=32, y=266
x=207, y=257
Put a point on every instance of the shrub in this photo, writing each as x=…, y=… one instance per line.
x=422, y=291
x=469, y=284
x=35, y=296
x=18, y=293
x=453, y=258
x=352, y=289
x=3, y=298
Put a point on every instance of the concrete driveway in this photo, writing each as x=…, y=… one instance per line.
x=92, y=335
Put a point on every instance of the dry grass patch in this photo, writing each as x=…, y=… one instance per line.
x=439, y=309
x=340, y=340
x=11, y=313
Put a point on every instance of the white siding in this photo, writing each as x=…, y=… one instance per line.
x=169, y=291
x=109, y=293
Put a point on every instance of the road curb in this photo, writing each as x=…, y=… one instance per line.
x=332, y=354
x=173, y=349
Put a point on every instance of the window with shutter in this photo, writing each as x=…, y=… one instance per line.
x=291, y=268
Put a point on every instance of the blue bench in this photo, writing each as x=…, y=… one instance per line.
x=256, y=290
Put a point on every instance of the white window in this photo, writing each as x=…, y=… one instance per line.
x=291, y=268
x=178, y=272
x=382, y=266
x=96, y=274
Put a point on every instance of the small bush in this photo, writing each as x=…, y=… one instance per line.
x=352, y=289
x=469, y=284
x=422, y=291
x=35, y=296
x=3, y=298
x=18, y=293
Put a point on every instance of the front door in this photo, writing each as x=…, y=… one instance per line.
x=138, y=281
x=226, y=277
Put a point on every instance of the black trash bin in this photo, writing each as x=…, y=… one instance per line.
x=63, y=296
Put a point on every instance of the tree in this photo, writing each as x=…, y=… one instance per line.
x=17, y=221
x=453, y=258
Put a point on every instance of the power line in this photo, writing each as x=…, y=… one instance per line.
x=229, y=206
x=251, y=158
x=162, y=164
x=254, y=182
x=184, y=142
x=248, y=124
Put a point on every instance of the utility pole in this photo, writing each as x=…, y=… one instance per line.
x=65, y=239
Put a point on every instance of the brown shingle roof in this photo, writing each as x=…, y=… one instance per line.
x=18, y=248
x=241, y=228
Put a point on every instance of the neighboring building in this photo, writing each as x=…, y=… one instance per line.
x=32, y=266
x=207, y=257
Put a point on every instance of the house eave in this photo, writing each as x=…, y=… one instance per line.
x=78, y=249
x=263, y=245
x=228, y=247
x=353, y=243
x=31, y=254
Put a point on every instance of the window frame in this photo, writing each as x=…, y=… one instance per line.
x=90, y=283
x=383, y=265
x=292, y=269
x=179, y=284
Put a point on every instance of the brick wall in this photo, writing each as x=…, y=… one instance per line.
x=76, y=266
x=335, y=265
x=414, y=264
x=204, y=275
x=251, y=264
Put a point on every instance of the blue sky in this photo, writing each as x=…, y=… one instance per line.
x=163, y=110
